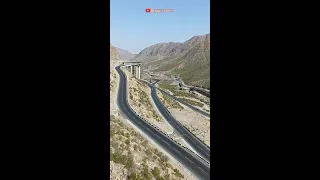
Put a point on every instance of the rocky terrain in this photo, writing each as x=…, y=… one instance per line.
x=190, y=60
x=140, y=102
x=159, y=51
x=124, y=55
x=132, y=156
x=113, y=53
x=192, y=98
x=198, y=124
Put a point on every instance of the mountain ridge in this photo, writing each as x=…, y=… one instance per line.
x=124, y=54
x=113, y=53
x=190, y=60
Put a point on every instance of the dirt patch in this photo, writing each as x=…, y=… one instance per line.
x=198, y=124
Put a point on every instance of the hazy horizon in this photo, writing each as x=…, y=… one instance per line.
x=132, y=29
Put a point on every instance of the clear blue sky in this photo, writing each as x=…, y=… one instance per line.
x=132, y=29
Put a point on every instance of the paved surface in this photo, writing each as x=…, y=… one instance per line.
x=192, y=140
x=182, y=102
x=197, y=167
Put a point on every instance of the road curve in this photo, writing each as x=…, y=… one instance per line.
x=182, y=102
x=192, y=140
x=197, y=167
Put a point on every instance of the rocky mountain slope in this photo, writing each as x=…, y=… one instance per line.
x=159, y=51
x=124, y=55
x=190, y=60
x=113, y=53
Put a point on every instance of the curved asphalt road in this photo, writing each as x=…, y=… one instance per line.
x=182, y=102
x=196, y=166
x=193, y=141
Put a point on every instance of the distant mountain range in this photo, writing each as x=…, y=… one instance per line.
x=190, y=60
x=124, y=55
x=113, y=53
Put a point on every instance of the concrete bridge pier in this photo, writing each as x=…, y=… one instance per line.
x=133, y=67
x=139, y=72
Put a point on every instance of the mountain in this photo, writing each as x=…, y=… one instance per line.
x=124, y=55
x=113, y=53
x=159, y=51
x=190, y=60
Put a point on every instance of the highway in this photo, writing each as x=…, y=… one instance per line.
x=189, y=160
x=182, y=102
x=192, y=140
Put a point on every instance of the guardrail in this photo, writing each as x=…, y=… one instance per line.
x=173, y=140
x=159, y=130
x=179, y=122
x=190, y=131
x=183, y=127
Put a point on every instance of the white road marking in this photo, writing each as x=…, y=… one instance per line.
x=202, y=170
x=189, y=160
x=157, y=136
x=167, y=143
x=177, y=150
x=192, y=141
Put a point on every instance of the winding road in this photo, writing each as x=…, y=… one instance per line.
x=198, y=167
x=192, y=140
x=181, y=101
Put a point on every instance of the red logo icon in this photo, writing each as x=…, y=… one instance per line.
x=147, y=10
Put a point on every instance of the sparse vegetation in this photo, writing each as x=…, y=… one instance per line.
x=193, y=67
x=167, y=86
x=142, y=99
x=120, y=153
x=177, y=173
x=175, y=90
x=191, y=102
x=170, y=102
x=204, y=101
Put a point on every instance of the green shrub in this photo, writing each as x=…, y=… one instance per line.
x=148, y=152
x=133, y=176
x=127, y=141
x=156, y=172
x=146, y=173
x=122, y=133
x=177, y=173
x=129, y=162
x=167, y=176
x=127, y=135
x=112, y=132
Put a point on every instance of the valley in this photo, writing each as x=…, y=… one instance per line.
x=132, y=144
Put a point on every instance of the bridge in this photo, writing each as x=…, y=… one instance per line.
x=133, y=67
